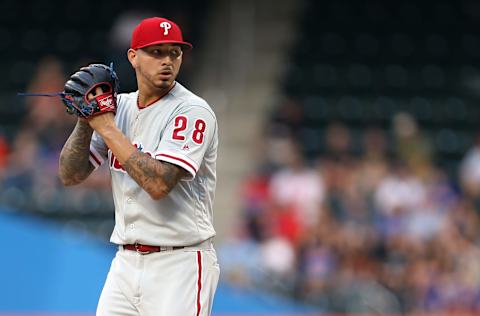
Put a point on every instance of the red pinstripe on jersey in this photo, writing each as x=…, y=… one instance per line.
x=98, y=161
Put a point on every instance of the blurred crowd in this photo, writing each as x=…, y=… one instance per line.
x=29, y=160
x=382, y=229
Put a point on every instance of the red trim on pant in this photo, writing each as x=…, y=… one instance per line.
x=199, y=282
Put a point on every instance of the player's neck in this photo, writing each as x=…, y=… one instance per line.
x=147, y=97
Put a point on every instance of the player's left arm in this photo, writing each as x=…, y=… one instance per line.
x=156, y=177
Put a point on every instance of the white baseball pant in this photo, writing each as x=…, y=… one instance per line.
x=174, y=282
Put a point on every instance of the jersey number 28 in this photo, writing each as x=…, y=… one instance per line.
x=181, y=123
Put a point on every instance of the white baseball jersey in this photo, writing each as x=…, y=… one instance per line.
x=181, y=129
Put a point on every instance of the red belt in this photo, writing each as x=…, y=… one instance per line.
x=146, y=249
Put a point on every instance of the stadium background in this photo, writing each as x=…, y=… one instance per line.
x=349, y=166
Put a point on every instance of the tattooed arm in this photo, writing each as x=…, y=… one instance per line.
x=74, y=166
x=156, y=177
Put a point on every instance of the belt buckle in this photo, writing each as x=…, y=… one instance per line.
x=137, y=249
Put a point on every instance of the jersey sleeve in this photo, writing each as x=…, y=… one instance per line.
x=98, y=150
x=186, y=138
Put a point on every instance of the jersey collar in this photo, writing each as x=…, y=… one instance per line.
x=156, y=100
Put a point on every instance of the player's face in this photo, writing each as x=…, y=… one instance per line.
x=158, y=64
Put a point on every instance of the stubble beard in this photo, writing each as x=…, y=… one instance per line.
x=156, y=83
x=164, y=84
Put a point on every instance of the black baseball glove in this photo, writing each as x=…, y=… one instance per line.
x=82, y=95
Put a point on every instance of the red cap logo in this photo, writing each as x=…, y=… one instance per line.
x=166, y=26
x=153, y=31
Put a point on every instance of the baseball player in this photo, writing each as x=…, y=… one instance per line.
x=161, y=145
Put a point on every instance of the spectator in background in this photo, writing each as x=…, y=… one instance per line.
x=411, y=146
x=279, y=274
x=338, y=142
x=469, y=175
x=3, y=154
x=288, y=119
x=374, y=144
x=399, y=191
x=317, y=260
x=46, y=116
x=47, y=121
x=338, y=169
x=373, y=166
x=22, y=170
x=297, y=192
x=255, y=199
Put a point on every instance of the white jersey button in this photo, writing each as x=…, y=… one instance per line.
x=132, y=226
x=129, y=200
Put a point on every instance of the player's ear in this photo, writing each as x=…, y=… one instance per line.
x=132, y=57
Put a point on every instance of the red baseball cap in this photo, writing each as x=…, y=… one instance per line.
x=153, y=31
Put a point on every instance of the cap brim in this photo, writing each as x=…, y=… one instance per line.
x=185, y=45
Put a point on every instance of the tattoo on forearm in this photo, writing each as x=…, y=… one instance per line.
x=74, y=166
x=152, y=174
